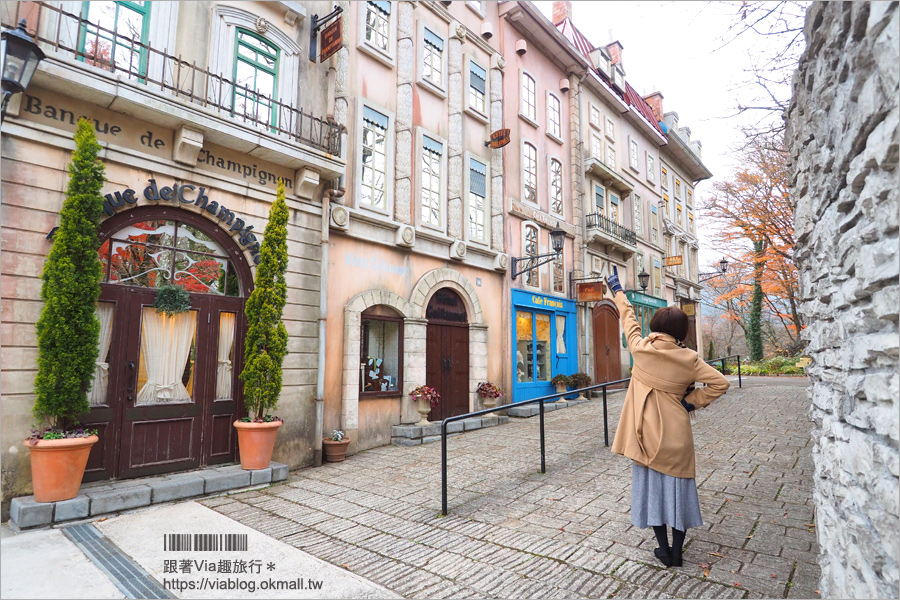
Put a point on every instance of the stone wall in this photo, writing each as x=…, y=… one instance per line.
x=842, y=135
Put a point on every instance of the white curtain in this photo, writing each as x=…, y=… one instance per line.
x=165, y=346
x=100, y=385
x=223, y=369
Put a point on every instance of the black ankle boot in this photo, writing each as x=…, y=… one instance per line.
x=677, y=546
x=665, y=557
x=675, y=557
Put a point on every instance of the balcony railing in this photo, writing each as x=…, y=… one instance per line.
x=598, y=221
x=69, y=34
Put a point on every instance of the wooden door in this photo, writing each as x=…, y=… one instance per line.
x=447, y=368
x=607, y=353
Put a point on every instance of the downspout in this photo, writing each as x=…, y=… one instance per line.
x=583, y=360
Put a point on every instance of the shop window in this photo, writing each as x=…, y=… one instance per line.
x=554, y=123
x=529, y=98
x=556, y=186
x=255, y=73
x=381, y=349
x=533, y=347
x=153, y=253
x=477, y=195
x=378, y=25
x=374, y=159
x=431, y=186
x=561, y=334
x=531, y=249
x=477, y=88
x=116, y=36
x=529, y=173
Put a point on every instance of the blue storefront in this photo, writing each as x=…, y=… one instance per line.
x=545, y=342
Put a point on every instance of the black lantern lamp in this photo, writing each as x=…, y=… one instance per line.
x=644, y=279
x=21, y=56
x=723, y=267
x=557, y=240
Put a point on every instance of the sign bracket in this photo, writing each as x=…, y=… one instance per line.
x=316, y=25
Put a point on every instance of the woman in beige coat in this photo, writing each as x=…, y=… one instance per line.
x=655, y=428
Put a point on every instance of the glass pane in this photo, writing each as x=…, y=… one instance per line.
x=161, y=233
x=231, y=286
x=98, y=392
x=524, y=347
x=380, y=356
x=165, y=375
x=191, y=238
x=225, y=356
x=265, y=85
x=560, y=334
x=130, y=24
x=104, y=15
x=246, y=77
x=199, y=273
x=139, y=265
x=542, y=347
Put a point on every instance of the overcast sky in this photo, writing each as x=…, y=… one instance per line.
x=677, y=48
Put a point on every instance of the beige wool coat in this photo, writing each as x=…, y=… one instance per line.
x=655, y=429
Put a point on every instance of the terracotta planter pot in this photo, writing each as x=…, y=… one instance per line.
x=256, y=441
x=57, y=467
x=335, y=451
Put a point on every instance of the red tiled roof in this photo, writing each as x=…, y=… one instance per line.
x=632, y=97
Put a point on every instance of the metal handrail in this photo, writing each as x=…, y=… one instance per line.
x=722, y=361
x=540, y=402
x=182, y=80
x=603, y=223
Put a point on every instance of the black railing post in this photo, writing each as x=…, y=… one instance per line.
x=605, y=426
x=444, y=468
x=739, y=371
x=543, y=461
x=723, y=366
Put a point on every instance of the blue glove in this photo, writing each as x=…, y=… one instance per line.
x=688, y=406
x=613, y=282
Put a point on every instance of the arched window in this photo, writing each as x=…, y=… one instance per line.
x=155, y=252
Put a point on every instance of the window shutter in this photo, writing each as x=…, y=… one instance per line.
x=375, y=118
x=476, y=77
x=384, y=7
x=434, y=40
x=432, y=145
x=477, y=178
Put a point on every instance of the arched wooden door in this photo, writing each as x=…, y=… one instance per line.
x=607, y=344
x=447, y=353
x=166, y=391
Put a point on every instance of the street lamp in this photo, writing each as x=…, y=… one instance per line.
x=21, y=56
x=723, y=267
x=557, y=239
x=644, y=279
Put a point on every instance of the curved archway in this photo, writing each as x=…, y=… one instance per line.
x=434, y=280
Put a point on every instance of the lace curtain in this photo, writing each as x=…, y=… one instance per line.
x=100, y=385
x=165, y=347
x=223, y=367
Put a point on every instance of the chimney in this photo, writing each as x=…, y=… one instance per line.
x=561, y=11
x=615, y=53
x=655, y=100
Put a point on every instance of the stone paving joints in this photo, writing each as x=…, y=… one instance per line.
x=513, y=532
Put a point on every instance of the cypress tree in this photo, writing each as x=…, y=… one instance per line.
x=266, y=343
x=710, y=351
x=68, y=330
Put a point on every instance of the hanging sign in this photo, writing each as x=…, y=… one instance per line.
x=689, y=309
x=673, y=261
x=499, y=139
x=331, y=40
x=590, y=292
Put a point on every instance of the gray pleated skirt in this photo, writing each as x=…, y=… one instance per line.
x=659, y=499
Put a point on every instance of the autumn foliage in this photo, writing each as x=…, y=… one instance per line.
x=753, y=213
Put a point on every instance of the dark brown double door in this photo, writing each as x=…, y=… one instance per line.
x=607, y=344
x=172, y=387
x=447, y=354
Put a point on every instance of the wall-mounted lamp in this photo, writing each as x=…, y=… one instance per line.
x=21, y=56
x=723, y=267
x=644, y=279
x=557, y=239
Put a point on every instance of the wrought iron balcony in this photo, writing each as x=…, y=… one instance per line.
x=603, y=225
x=69, y=35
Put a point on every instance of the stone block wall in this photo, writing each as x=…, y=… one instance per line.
x=843, y=140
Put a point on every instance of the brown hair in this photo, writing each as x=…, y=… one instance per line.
x=671, y=320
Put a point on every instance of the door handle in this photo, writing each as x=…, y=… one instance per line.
x=131, y=377
x=607, y=350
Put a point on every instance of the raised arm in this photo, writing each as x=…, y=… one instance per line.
x=716, y=384
x=630, y=326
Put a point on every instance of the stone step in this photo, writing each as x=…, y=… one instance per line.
x=102, y=498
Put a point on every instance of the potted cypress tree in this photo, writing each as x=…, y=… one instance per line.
x=266, y=343
x=68, y=330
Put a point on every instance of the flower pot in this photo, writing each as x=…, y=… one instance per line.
x=488, y=402
x=256, y=441
x=423, y=407
x=561, y=388
x=57, y=467
x=333, y=451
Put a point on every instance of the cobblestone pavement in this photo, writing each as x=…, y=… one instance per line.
x=515, y=533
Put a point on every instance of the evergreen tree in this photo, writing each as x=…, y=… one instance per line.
x=711, y=351
x=754, y=321
x=266, y=343
x=68, y=329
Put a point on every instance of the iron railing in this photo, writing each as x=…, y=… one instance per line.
x=71, y=35
x=598, y=221
x=540, y=402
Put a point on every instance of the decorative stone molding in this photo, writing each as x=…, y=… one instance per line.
x=433, y=280
x=459, y=31
x=188, y=143
x=501, y=262
x=497, y=212
x=340, y=217
x=406, y=236
x=306, y=180
x=499, y=62
x=458, y=250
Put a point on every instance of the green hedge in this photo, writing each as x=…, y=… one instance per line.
x=777, y=365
